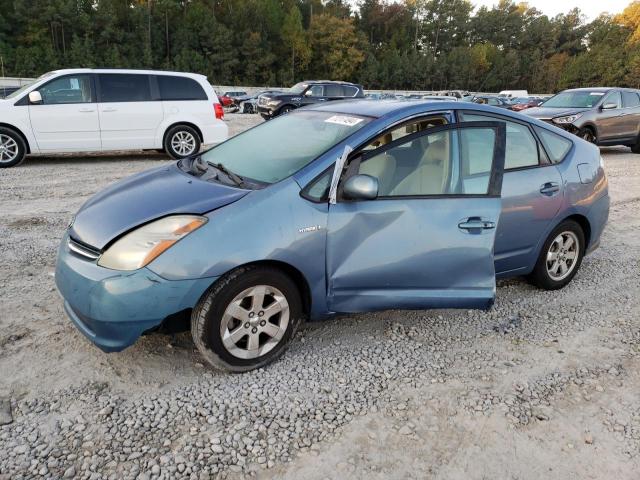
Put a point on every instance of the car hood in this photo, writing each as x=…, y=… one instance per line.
x=144, y=197
x=542, y=112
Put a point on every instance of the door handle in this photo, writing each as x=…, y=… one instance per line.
x=107, y=110
x=86, y=110
x=476, y=223
x=550, y=188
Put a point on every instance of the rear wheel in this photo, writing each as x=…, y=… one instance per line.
x=182, y=141
x=560, y=257
x=247, y=318
x=12, y=148
x=636, y=148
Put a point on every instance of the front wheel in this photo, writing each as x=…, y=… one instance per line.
x=636, y=148
x=182, y=141
x=589, y=135
x=560, y=257
x=12, y=148
x=247, y=318
x=284, y=110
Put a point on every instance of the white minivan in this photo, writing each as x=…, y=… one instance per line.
x=97, y=110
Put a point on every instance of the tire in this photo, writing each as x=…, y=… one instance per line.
x=12, y=148
x=181, y=141
x=211, y=317
x=284, y=110
x=548, y=274
x=588, y=134
x=636, y=148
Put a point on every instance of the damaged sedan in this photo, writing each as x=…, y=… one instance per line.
x=340, y=207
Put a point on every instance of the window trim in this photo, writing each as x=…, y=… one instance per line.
x=92, y=81
x=494, y=188
x=99, y=87
x=502, y=118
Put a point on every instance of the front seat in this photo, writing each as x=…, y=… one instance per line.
x=430, y=176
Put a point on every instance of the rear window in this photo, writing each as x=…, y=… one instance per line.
x=333, y=90
x=180, y=88
x=350, y=91
x=556, y=146
x=630, y=99
x=124, y=87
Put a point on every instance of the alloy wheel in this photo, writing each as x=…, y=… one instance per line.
x=8, y=149
x=562, y=255
x=183, y=143
x=254, y=322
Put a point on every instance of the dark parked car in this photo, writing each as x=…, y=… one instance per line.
x=248, y=103
x=603, y=116
x=307, y=93
x=493, y=101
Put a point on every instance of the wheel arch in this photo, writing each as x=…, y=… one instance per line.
x=19, y=132
x=293, y=107
x=187, y=124
x=584, y=224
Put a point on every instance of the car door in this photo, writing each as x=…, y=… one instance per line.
x=609, y=120
x=313, y=94
x=532, y=194
x=630, y=113
x=67, y=118
x=427, y=240
x=129, y=117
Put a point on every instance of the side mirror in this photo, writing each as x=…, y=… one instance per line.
x=609, y=106
x=361, y=187
x=35, y=97
x=308, y=93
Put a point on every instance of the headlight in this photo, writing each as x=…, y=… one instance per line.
x=567, y=119
x=273, y=103
x=141, y=246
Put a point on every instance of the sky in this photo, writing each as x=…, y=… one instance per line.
x=590, y=8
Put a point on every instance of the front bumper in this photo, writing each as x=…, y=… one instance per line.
x=267, y=112
x=112, y=308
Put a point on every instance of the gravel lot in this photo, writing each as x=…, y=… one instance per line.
x=545, y=385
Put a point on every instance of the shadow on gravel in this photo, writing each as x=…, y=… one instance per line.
x=91, y=158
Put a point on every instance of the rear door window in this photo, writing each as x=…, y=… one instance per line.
x=124, y=87
x=180, y=88
x=521, y=146
x=333, y=90
x=630, y=99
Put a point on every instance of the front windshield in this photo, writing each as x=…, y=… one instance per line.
x=25, y=87
x=298, y=88
x=575, y=99
x=280, y=147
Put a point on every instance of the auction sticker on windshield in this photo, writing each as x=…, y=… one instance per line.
x=344, y=120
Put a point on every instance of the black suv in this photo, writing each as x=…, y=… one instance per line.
x=604, y=116
x=306, y=93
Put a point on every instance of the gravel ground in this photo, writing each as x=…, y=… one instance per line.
x=545, y=385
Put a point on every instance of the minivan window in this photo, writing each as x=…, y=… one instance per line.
x=180, y=88
x=279, y=148
x=557, y=146
x=630, y=99
x=67, y=89
x=124, y=87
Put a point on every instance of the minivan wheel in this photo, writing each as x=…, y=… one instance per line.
x=247, y=318
x=182, y=141
x=560, y=257
x=12, y=148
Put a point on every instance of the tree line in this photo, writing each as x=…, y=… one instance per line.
x=409, y=44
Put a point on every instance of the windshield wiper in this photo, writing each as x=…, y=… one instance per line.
x=237, y=179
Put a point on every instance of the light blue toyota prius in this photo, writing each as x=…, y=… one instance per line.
x=342, y=207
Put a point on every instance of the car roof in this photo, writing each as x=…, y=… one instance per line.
x=340, y=82
x=379, y=108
